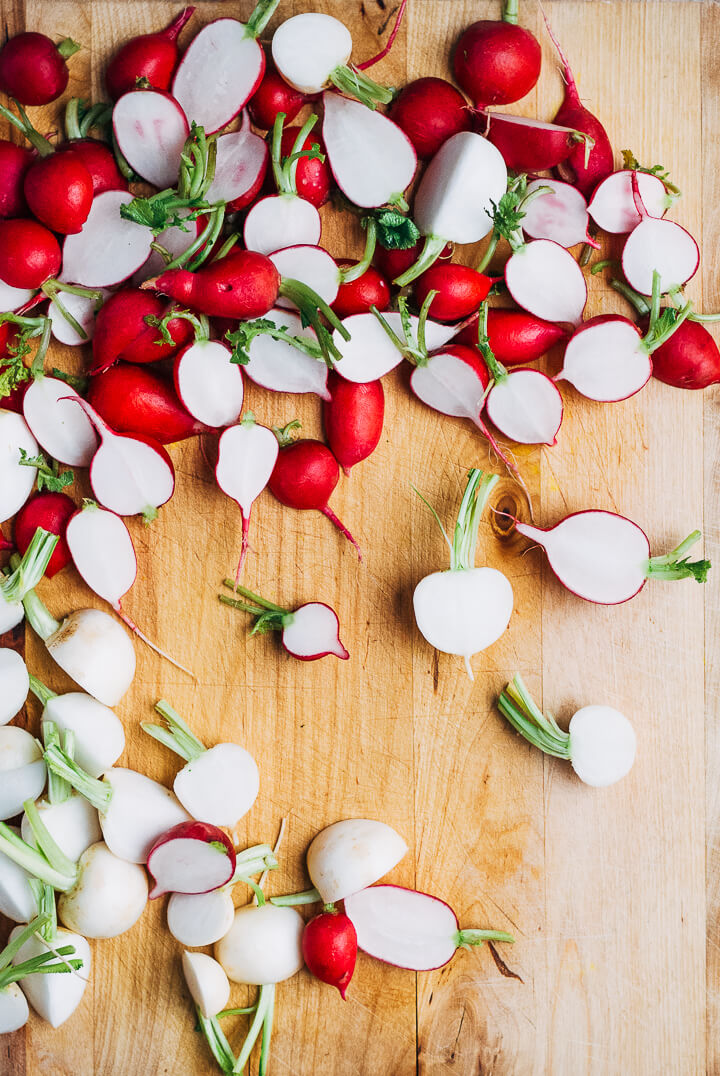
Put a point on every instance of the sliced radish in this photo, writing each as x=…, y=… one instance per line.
x=58, y=423
x=208, y=383
x=526, y=406
x=662, y=246
x=13, y=298
x=16, y=481
x=606, y=359
x=612, y=205
x=247, y=454
x=313, y=632
x=207, y=983
x=351, y=854
x=455, y=195
x=22, y=770
x=372, y=160
x=138, y=813
x=453, y=382
x=192, y=857
x=109, y=249
x=370, y=353
x=175, y=241
x=307, y=48
x=202, y=918
x=529, y=145
x=82, y=309
x=242, y=160
x=281, y=220
x=280, y=367
x=545, y=279
x=151, y=129
x=310, y=265
x=561, y=216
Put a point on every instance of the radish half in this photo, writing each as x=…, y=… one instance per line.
x=151, y=129
x=18, y=901
x=16, y=684
x=370, y=353
x=560, y=215
x=606, y=359
x=281, y=367
x=240, y=166
x=657, y=246
x=309, y=632
x=310, y=265
x=16, y=481
x=545, y=280
x=192, y=857
x=59, y=425
x=612, y=205
x=280, y=220
x=349, y=855
x=109, y=249
x=55, y=997
x=208, y=383
x=22, y=770
x=207, y=983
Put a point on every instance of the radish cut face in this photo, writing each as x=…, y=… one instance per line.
x=612, y=205
x=16, y=684
x=450, y=386
x=605, y=359
x=210, y=386
x=463, y=612
x=527, y=407
x=281, y=367
x=313, y=632
x=102, y=551
x=307, y=48
x=13, y=298
x=598, y=555
x=54, y=997
x=220, y=786
x=372, y=160
x=202, y=918
x=352, y=854
x=59, y=425
x=561, y=216
x=659, y=245
x=279, y=221
x=246, y=458
x=192, y=857
x=403, y=927
x=310, y=265
x=602, y=745
x=96, y=652
x=109, y=249
x=455, y=195
x=151, y=129
x=99, y=732
x=207, y=982
x=545, y=280
x=16, y=482
x=140, y=812
x=82, y=309
x=218, y=74
x=240, y=165
x=370, y=353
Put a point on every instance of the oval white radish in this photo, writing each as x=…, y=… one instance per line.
x=263, y=945
x=207, y=982
x=612, y=205
x=545, y=280
x=276, y=365
x=192, y=858
x=54, y=997
x=16, y=481
x=352, y=854
x=57, y=423
x=369, y=354
x=17, y=897
x=208, y=383
x=15, y=680
x=73, y=824
x=99, y=736
x=151, y=128
x=109, y=249
x=108, y=898
x=14, y=1011
x=310, y=265
x=200, y=919
x=561, y=215
x=281, y=220
x=240, y=163
x=22, y=770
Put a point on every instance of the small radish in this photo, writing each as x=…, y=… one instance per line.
x=207, y=382
x=357, y=294
x=27, y=571
x=222, y=68
x=459, y=290
x=560, y=215
x=455, y=197
x=123, y=333
x=192, y=857
x=312, y=266
x=43, y=860
x=612, y=205
x=53, y=997
x=151, y=129
x=353, y=419
x=515, y=336
x=599, y=744
x=605, y=558
x=39, y=961
x=309, y=632
x=312, y=50
x=134, y=400
x=657, y=245
x=529, y=145
x=244, y=284
x=466, y=609
x=58, y=424
x=497, y=62
x=16, y=480
x=97, y=157
x=108, y=250
x=207, y=983
x=33, y=68
x=108, y=898
x=349, y=855
x=59, y=192
x=329, y=946
x=22, y=768
x=50, y=509
x=29, y=253
x=240, y=167
x=429, y=111
x=98, y=734
x=313, y=179
x=371, y=352
x=16, y=684
x=14, y=163
x=274, y=95
x=247, y=455
x=410, y=929
x=280, y=354
x=152, y=57
x=18, y=899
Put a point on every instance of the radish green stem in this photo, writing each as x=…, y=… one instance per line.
x=40, y=691
x=255, y=598
x=99, y=793
x=14, y=947
x=427, y=504
x=226, y=247
x=477, y=937
x=68, y=48
x=45, y=842
x=487, y=256
x=412, y=348
x=291, y=900
x=311, y=306
x=675, y=565
x=40, y=964
x=33, y=861
x=431, y=251
x=259, y=895
x=633, y=297
x=45, y=899
x=261, y=1021
x=38, y=616
x=201, y=249
x=472, y=506
x=497, y=371
x=246, y=332
x=219, y=1046
x=267, y=1033
x=260, y=17
x=350, y=80
x=31, y=568
x=236, y=1012
x=518, y=706
x=23, y=124
x=355, y=271
x=58, y=788
x=199, y=322
x=510, y=11
x=179, y=737
x=51, y=288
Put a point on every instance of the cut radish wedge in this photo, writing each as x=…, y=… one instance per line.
x=281, y=220
x=82, y=309
x=561, y=216
x=310, y=265
x=529, y=145
x=58, y=424
x=453, y=382
x=192, y=857
x=151, y=129
x=456, y=193
x=247, y=454
x=372, y=160
x=109, y=249
x=370, y=353
x=16, y=481
x=662, y=246
x=606, y=359
x=612, y=205
x=13, y=298
x=280, y=367
x=209, y=385
x=545, y=280
x=526, y=407
x=207, y=982
x=242, y=160
x=313, y=631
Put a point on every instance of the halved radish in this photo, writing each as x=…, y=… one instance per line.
x=370, y=353
x=612, y=205
x=662, y=246
x=309, y=632
x=58, y=423
x=529, y=145
x=151, y=128
x=276, y=365
x=13, y=298
x=192, y=857
x=545, y=279
x=16, y=481
x=208, y=383
x=82, y=309
x=207, y=983
x=560, y=215
x=240, y=167
x=109, y=249
x=279, y=220
x=526, y=406
x=351, y=854
x=310, y=265
x=200, y=918
x=606, y=359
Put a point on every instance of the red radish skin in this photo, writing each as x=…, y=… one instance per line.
x=429, y=111
x=690, y=359
x=196, y=879
x=353, y=419
x=121, y=331
x=304, y=477
x=313, y=177
x=516, y=338
x=29, y=253
x=527, y=145
x=460, y=290
x=99, y=160
x=357, y=296
x=59, y=192
x=150, y=56
x=134, y=400
x=393, y=263
x=274, y=95
x=51, y=511
x=14, y=163
x=329, y=946
x=32, y=69
x=496, y=62
x=243, y=285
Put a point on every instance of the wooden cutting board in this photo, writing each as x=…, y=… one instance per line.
x=604, y=890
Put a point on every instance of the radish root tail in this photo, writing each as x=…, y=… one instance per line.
x=507, y=459
x=130, y=623
x=390, y=41
x=326, y=511
x=243, y=549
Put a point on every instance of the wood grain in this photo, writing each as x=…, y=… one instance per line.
x=603, y=890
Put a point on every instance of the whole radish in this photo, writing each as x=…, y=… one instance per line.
x=353, y=419
x=97, y=157
x=59, y=191
x=429, y=111
x=309, y=632
x=515, y=336
x=459, y=290
x=108, y=898
x=50, y=510
x=14, y=163
x=33, y=68
x=349, y=855
x=274, y=95
x=312, y=176
x=497, y=62
x=690, y=359
x=244, y=284
x=359, y=295
x=149, y=56
x=329, y=946
x=98, y=736
x=22, y=768
x=134, y=400
x=29, y=253
x=123, y=333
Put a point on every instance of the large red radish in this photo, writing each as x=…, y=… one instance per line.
x=244, y=284
x=612, y=205
x=97, y=157
x=152, y=57
x=459, y=290
x=29, y=254
x=33, y=68
x=151, y=129
x=109, y=249
x=515, y=336
x=274, y=95
x=309, y=632
x=14, y=163
x=329, y=946
x=657, y=245
x=496, y=62
x=16, y=481
x=429, y=111
x=58, y=424
x=353, y=419
x=208, y=383
x=370, y=353
x=529, y=145
x=59, y=191
x=362, y=287
x=240, y=167
x=134, y=400
x=51, y=510
x=283, y=355
x=561, y=214
x=690, y=359
x=192, y=857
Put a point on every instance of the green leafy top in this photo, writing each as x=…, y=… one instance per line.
x=241, y=338
x=48, y=474
x=657, y=170
x=395, y=231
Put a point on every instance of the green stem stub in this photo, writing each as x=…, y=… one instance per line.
x=292, y=900
x=49, y=477
x=215, y=1037
x=353, y=82
x=479, y=937
x=34, y=861
x=677, y=565
x=42, y=964
x=431, y=251
x=477, y=493
x=178, y=735
x=99, y=793
x=496, y=369
x=312, y=310
x=541, y=730
x=38, y=616
x=262, y=1022
x=31, y=568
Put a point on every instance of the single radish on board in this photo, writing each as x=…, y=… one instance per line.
x=151, y=129
x=36, y=963
x=152, y=57
x=50, y=509
x=53, y=997
x=29, y=253
x=16, y=684
x=25, y=575
x=109, y=249
x=22, y=768
x=123, y=333
x=192, y=857
x=561, y=214
x=529, y=145
x=274, y=95
x=459, y=290
x=466, y=609
x=605, y=558
x=612, y=205
x=429, y=111
x=515, y=336
x=209, y=384
x=222, y=68
x=309, y=632
x=134, y=400
x=109, y=896
x=657, y=245
x=599, y=744
x=14, y=163
x=353, y=419
x=496, y=62
x=33, y=68
x=349, y=855
x=207, y=983
x=280, y=354
x=410, y=929
x=329, y=946
x=98, y=735
x=16, y=480
x=60, y=427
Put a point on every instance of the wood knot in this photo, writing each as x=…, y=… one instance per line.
x=503, y=514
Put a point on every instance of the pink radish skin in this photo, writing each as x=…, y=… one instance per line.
x=209, y=385
x=247, y=454
x=29, y=253
x=310, y=265
x=329, y=947
x=51, y=511
x=605, y=359
x=561, y=216
x=527, y=145
x=658, y=245
x=526, y=407
x=515, y=336
x=612, y=205
x=150, y=56
x=429, y=111
x=151, y=129
x=58, y=424
x=281, y=220
x=690, y=359
x=313, y=632
x=353, y=419
x=192, y=857
x=369, y=354
x=280, y=367
x=109, y=249
x=134, y=400
x=14, y=163
x=240, y=168
x=546, y=280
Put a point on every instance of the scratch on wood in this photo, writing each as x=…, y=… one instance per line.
x=462, y=1020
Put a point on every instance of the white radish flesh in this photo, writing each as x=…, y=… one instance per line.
x=207, y=982
x=455, y=195
x=190, y=864
x=403, y=927
x=58, y=424
x=109, y=249
x=17, y=899
x=175, y=241
x=281, y=220
x=545, y=280
x=108, y=898
x=280, y=367
x=662, y=246
x=98, y=732
x=54, y=997
x=263, y=945
x=602, y=745
x=605, y=360
x=209, y=384
x=450, y=386
x=307, y=48
x=96, y=652
x=526, y=407
x=612, y=205
x=151, y=129
x=139, y=812
x=372, y=160
x=15, y=682
x=14, y=1011
x=220, y=786
x=247, y=454
x=241, y=159
x=72, y=824
x=22, y=770
x=351, y=855
x=561, y=216
x=310, y=265
x=200, y=919
x=82, y=309
x=13, y=298
x=16, y=482
x=102, y=551
x=463, y=612
x=370, y=353
x=313, y=632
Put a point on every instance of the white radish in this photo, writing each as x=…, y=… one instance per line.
x=13, y=298
x=239, y=166
x=15, y=681
x=54, y=997
x=191, y=858
x=370, y=353
x=73, y=824
x=605, y=558
x=612, y=205
x=150, y=129
x=410, y=929
x=545, y=280
x=16, y=481
x=263, y=945
x=207, y=982
x=18, y=900
x=600, y=742
x=310, y=265
x=22, y=770
x=351, y=855
x=98, y=733
x=57, y=423
x=208, y=383
x=14, y=1011
x=108, y=898
x=279, y=366
x=26, y=573
x=309, y=632
x=108, y=249
x=281, y=220
x=560, y=215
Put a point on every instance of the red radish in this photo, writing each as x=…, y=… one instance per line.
x=561, y=214
x=51, y=511
x=312, y=176
x=133, y=400
x=14, y=163
x=57, y=423
x=690, y=359
x=208, y=383
x=150, y=129
x=605, y=558
x=122, y=332
x=244, y=284
x=130, y=474
x=33, y=68
x=29, y=253
x=312, y=266
x=497, y=62
x=222, y=68
x=240, y=167
x=59, y=192
x=109, y=249
x=309, y=632
x=429, y=111
x=273, y=358
x=353, y=419
x=359, y=294
x=304, y=477
x=612, y=205
x=410, y=929
x=192, y=857
x=515, y=336
x=371, y=352
x=329, y=946
x=247, y=454
x=657, y=245
x=529, y=145
x=99, y=160
x=459, y=290
x=148, y=56
x=274, y=95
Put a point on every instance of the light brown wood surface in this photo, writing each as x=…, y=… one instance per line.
x=604, y=890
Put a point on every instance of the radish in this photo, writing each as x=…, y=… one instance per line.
x=612, y=205
x=313, y=178
x=57, y=423
x=134, y=400
x=515, y=336
x=560, y=215
x=362, y=287
x=98, y=734
x=312, y=50
x=29, y=253
x=16, y=684
x=244, y=284
x=312, y=266
x=247, y=454
x=309, y=632
x=192, y=857
x=605, y=558
x=14, y=1011
x=18, y=898
x=14, y=163
x=349, y=855
x=222, y=68
x=108, y=250
x=59, y=192
x=51, y=510
x=466, y=609
x=240, y=167
x=353, y=419
x=152, y=57
x=33, y=68
x=599, y=744
x=497, y=62
x=459, y=290
x=123, y=333
x=455, y=197
x=207, y=983
x=12, y=299
x=108, y=898
x=16, y=480
x=53, y=997
x=98, y=157
x=280, y=354
x=273, y=95
x=371, y=352
x=529, y=145
x=329, y=946
x=26, y=574
x=429, y=111
x=43, y=860
x=208, y=383
x=410, y=929
x=82, y=309
x=372, y=159
x=657, y=245
x=151, y=129
x=22, y=768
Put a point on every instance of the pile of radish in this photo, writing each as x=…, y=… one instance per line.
x=176, y=235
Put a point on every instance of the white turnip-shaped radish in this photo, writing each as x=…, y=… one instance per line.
x=18, y=888
x=466, y=609
x=109, y=248
x=612, y=205
x=150, y=129
x=352, y=854
x=191, y=858
x=279, y=353
x=455, y=197
x=27, y=571
x=309, y=632
x=15, y=680
x=16, y=480
x=58, y=424
x=605, y=558
x=109, y=897
x=561, y=214
x=207, y=381
x=599, y=744
x=22, y=770
x=98, y=736
x=410, y=929
x=657, y=245
x=207, y=982
x=14, y=1010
